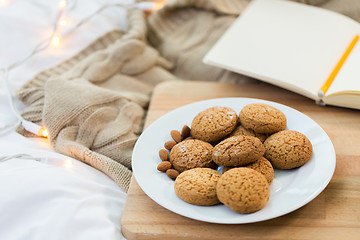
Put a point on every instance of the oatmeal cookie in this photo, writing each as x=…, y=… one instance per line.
x=198, y=186
x=190, y=154
x=288, y=149
x=244, y=190
x=214, y=123
x=237, y=151
x=262, y=118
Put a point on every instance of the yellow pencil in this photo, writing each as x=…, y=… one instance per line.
x=337, y=68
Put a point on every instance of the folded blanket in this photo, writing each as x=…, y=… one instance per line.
x=94, y=103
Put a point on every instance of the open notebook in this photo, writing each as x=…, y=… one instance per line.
x=305, y=49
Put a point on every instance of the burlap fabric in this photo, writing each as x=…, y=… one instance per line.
x=94, y=103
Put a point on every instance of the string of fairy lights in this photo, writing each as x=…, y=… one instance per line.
x=58, y=33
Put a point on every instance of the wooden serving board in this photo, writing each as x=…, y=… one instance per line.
x=334, y=214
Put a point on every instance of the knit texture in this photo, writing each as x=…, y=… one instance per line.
x=94, y=104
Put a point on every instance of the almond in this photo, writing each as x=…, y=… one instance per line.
x=185, y=131
x=169, y=145
x=164, y=166
x=176, y=135
x=172, y=173
x=163, y=154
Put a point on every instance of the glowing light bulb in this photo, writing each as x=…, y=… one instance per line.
x=150, y=6
x=62, y=4
x=43, y=132
x=35, y=129
x=158, y=5
x=67, y=164
x=63, y=21
x=4, y=3
x=55, y=41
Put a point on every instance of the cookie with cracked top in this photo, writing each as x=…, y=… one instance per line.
x=244, y=190
x=190, y=154
x=288, y=149
x=214, y=123
x=198, y=186
x=262, y=118
x=238, y=151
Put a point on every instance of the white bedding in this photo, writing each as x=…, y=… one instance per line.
x=57, y=197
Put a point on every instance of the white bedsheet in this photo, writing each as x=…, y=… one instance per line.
x=58, y=197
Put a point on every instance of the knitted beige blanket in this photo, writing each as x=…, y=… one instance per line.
x=94, y=104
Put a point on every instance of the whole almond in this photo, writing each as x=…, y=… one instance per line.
x=176, y=135
x=185, y=131
x=172, y=173
x=163, y=166
x=163, y=154
x=169, y=145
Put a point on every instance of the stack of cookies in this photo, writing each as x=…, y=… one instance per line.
x=246, y=146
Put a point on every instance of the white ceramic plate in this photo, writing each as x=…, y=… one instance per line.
x=290, y=190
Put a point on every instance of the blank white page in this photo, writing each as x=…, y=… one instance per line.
x=348, y=78
x=289, y=44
